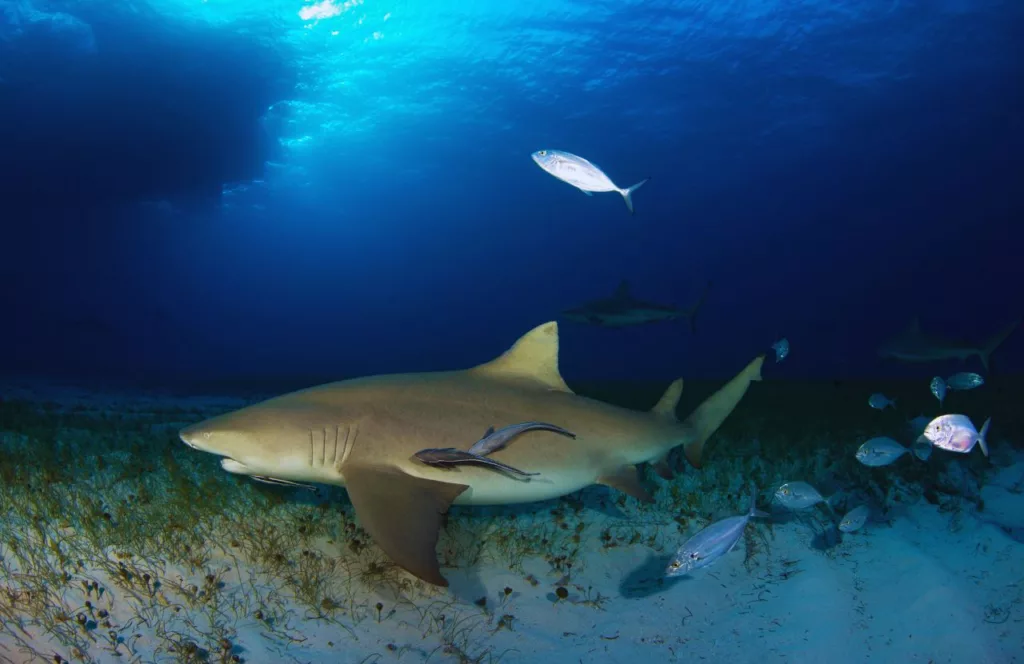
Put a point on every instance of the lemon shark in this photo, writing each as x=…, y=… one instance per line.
x=363, y=434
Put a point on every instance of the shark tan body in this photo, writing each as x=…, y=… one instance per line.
x=363, y=434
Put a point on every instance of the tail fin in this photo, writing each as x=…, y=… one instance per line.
x=692, y=314
x=995, y=342
x=709, y=415
x=753, y=506
x=982, y=434
x=627, y=193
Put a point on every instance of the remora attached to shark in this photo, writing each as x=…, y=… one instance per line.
x=623, y=310
x=912, y=345
x=362, y=434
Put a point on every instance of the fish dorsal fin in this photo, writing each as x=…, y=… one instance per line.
x=666, y=406
x=622, y=291
x=534, y=356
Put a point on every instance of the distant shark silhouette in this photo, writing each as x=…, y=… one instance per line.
x=912, y=345
x=623, y=310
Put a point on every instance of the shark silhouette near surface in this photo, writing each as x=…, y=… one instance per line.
x=624, y=310
x=912, y=345
x=363, y=434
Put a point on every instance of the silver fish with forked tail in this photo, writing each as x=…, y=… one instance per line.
x=497, y=440
x=713, y=542
x=446, y=457
x=582, y=174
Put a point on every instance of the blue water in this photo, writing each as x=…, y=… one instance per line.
x=234, y=189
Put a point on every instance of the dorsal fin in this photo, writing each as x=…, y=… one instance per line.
x=666, y=406
x=534, y=356
x=622, y=292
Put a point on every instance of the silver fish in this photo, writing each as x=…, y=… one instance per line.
x=781, y=348
x=712, y=543
x=880, y=451
x=854, y=519
x=916, y=426
x=879, y=401
x=938, y=388
x=965, y=380
x=799, y=496
x=582, y=174
x=956, y=433
x=497, y=440
x=446, y=457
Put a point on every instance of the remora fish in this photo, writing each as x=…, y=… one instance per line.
x=623, y=310
x=582, y=174
x=497, y=440
x=362, y=434
x=449, y=456
x=914, y=346
x=956, y=433
x=713, y=542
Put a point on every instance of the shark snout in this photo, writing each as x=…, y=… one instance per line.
x=196, y=437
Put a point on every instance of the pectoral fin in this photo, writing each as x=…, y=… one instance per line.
x=403, y=515
x=627, y=480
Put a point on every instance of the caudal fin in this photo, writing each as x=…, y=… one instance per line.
x=627, y=194
x=709, y=415
x=692, y=314
x=982, y=443
x=995, y=342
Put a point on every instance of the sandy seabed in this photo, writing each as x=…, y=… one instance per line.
x=119, y=544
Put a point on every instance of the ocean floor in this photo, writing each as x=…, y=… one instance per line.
x=120, y=544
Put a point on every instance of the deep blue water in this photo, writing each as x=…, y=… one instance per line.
x=208, y=190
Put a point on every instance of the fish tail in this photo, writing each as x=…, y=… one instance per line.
x=692, y=314
x=995, y=342
x=753, y=506
x=982, y=435
x=627, y=193
x=709, y=415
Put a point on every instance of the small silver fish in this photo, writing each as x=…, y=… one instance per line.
x=854, y=519
x=781, y=349
x=880, y=451
x=879, y=401
x=446, y=457
x=956, y=433
x=582, y=174
x=712, y=542
x=965, y=380
x=799, y=496
x=497, y=440
x=938, y=388
x=916, y=426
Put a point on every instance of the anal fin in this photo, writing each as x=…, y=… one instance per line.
x=403, y=515
x=627, y=480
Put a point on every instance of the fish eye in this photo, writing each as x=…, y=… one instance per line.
x=542, y=152
x=675, y=564
x=694, y=556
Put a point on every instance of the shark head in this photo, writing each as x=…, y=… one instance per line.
x=275, y=441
